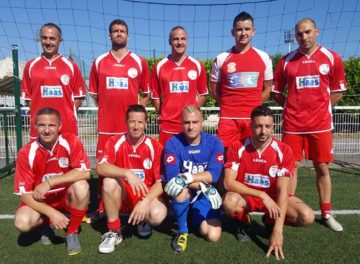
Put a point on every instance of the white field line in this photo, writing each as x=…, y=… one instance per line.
x=335, y=212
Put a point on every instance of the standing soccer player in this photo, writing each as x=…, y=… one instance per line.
x=315, y=79
x=51, y=178
x=193, y=161
x=51, y=80
x=241, y=78
x=116, y=79
x=257, y=175
x=176, y=81
x=130, y=165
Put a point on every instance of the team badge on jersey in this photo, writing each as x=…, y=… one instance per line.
x=133, y=73
x=65, y=79
x=48, y=91
x=220, y=157
x=242, y=79
x=324, y=69
x=147, y=163
x=140, y=173
x=170, y=159
x=117, y=83
x=192, y=75
x=273, y=171
x=231, y=67
x=63, y=162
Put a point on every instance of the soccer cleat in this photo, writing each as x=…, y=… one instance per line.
x=47, y=236
x=73, y=244
x=108, y=242
x=331, y=223
x=96, y=217
x=242, y=233
x=144, y=229
x=180, y=242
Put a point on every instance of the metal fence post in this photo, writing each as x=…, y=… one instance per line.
x=16, y=81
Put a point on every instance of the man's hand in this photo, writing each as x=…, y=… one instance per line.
x=175, y=186
x=271, y=206
x=276, y=245
x=58, y=219
x=40, y=190
x=138, y=187
x=139, y=212
x=211, y=194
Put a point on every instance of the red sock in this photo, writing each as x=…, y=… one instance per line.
x=76, y=216
x=325, y=209
x=243, y=217
x=114, y=225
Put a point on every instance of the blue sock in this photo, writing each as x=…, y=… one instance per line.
x=181, y=210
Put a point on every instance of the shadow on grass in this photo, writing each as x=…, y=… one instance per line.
x=34, y=236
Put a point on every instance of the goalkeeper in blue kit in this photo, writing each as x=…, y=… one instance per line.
x=193, y=162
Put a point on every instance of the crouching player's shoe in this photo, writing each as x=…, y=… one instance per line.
x=242, y=233
x=109, y=241
x=47, y=235
x=331, y=223
x=144, y=229
x=73, y=244
x=180, y=242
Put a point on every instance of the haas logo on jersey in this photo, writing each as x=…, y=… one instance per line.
x=179, y=87
x=48, y=91
x=310, y=81
x=189, y=166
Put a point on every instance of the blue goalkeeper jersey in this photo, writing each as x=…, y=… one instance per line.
x=180, y=157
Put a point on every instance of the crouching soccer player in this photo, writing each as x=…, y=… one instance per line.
x=130, y=166
x=257, y=173
x=193, y=161
x=50, y=177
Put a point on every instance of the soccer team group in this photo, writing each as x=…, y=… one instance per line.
x=194, y=174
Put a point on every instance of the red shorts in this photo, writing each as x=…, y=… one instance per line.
x=56, y=200
x=256, y=204
x=102, y=139
x=165, y=136
x=231, y=130
x=318, y=147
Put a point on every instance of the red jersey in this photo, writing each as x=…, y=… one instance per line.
x=177, y=85
x=242, y=78
x=53, y=84
x=260, y=169
x=143, y=159
x=310, y=80
x=35, y=164
x=117, y=84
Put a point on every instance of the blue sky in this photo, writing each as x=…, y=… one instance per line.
x=208, y=22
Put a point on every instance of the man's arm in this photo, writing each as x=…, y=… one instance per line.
x=156, y=104
x=77, y=102
x=201, y=100
x=335, y=97
x=232, y=185
x=276, y=240
x=144, y=99
x=279, y=98
x=215, y=91
x=112, y=171
x=267, y=86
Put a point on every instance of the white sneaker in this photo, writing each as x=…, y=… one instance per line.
x=109, y=241
x=144, y=229
x=334, y=225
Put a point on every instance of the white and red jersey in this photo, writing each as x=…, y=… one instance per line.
x=310, y=80
x=36, y=164
x=242, y=77
x=53, y=84
x=143, y=159
x=177, y=85
x=117, y=84
x=260, y=169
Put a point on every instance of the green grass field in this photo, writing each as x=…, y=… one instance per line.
x=315, y=244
